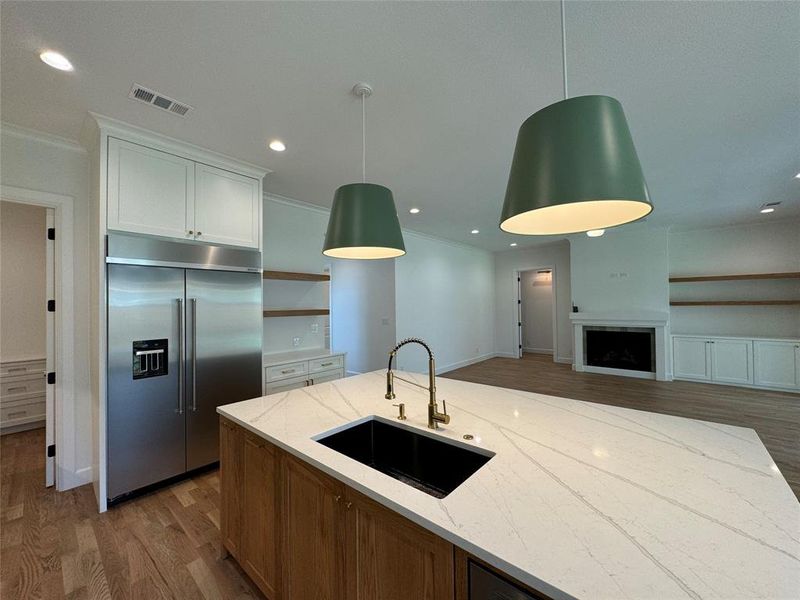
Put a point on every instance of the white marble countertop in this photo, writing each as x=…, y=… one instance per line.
x=581, y=500
x=279, y=358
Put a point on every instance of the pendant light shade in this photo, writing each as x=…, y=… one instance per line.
x=363, y=223
x=575, y=168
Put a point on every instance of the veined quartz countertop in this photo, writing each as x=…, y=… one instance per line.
x=581, y=500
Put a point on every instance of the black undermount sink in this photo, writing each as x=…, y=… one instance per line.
x=418, y=459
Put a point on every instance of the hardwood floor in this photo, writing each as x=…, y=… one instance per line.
x=774, y=415
x=165, y=544
x=56, y=545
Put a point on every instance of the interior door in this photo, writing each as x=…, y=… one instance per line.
x=50, y=359
x=224, y=325
x=145, y=423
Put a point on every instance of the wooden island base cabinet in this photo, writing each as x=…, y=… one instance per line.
x=300, y=534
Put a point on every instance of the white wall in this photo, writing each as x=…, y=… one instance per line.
x=363, y=312
x=444, y=295
x=23, y=327
x=537, y=311
x=627, y=269
x=293, y=236
x=770, y=247
x=40, y=162
x=506, y=265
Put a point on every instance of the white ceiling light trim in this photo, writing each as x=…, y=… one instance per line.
x=277, y=146
x=56, y=60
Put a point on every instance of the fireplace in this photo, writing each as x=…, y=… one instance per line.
x=628, y=348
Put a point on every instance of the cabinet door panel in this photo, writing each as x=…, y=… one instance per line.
x=391, y=558
x=313, y=556
x=231, y=482
x=690, y=358
x=149, y=191
x=732, y=361
x=776, y=364
x=260, y=533
x=226, y=207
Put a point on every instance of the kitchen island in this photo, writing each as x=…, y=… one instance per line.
x=579, y=500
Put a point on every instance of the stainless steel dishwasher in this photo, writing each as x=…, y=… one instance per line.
x=485, y=585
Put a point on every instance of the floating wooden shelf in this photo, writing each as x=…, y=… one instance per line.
x=734, y=277
x=735, y=303
x=296, y=312
x=291, y=276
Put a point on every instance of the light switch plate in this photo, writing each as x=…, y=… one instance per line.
x=295, y=341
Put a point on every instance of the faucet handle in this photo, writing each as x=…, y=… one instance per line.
x=444, y=406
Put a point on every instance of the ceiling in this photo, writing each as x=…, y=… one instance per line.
x=711, y=91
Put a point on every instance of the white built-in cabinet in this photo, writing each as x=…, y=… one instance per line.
x=737, y=361
x=160, y=193
x=291, y=370
x=777, y=364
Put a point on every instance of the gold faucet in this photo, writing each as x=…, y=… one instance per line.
x=434, y=416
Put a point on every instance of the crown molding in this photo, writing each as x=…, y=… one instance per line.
x=26, y=133
x=133, y=133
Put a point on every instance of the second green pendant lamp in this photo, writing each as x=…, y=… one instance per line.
x=575, y=168
x=363, y=222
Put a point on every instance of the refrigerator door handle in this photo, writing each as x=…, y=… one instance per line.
x=181, y=361
x=194, y=354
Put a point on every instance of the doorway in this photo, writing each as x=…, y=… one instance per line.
x=27, y=327
x=536, y=318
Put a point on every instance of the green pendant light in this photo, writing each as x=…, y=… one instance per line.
x=575, y=168
x=363, y=222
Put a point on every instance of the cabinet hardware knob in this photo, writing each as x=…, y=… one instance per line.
x=348, y=505
x=191, y=232
x=199, y=233
x=337, y=498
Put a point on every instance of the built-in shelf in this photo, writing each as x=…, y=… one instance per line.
x=296, y=312
x=292, y=276
x=699, y=278
x=734, y=303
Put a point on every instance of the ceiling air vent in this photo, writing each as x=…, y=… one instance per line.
x=143, y=94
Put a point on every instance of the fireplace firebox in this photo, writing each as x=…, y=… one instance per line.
x=630, y=348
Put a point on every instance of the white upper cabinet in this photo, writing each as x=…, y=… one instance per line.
x=149, y=191
x=160, y=186
x=226, y=207
x=777, y=364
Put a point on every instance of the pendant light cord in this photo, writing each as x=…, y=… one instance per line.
x=363, y=138
x=564, y=46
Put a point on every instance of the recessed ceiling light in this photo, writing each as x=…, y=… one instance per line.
x=474, y=231
x=56, y=60
x=513, y=244
x=797, y=176
x=277, y=146
x=766, y=211
x=413, y=211
x=595, y=232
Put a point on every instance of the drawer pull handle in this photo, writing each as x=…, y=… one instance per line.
x=20, y=413
x=285, y=371
x=327, y=364
x=17, y=389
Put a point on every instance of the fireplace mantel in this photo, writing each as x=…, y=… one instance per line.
x=657, y=320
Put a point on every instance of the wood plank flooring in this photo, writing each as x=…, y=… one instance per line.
x=165, y=544
x=774, y=415
x=56, y=545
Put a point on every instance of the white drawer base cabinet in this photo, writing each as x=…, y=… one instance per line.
x=22, y=395
x=292, y=370
x=750, y=362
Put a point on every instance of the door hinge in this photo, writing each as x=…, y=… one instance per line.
x=51, y=451
x=51, y=306
x=51, y=233
x=51, y=377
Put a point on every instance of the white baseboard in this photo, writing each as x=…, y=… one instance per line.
x=465, y=363
x=505, y=355
x=567, y=360
x=548, y=351
x=73, y=479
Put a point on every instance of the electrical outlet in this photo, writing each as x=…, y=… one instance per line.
x=296, y=341
x=315, y=328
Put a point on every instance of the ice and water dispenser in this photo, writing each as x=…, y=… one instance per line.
x=150, y=358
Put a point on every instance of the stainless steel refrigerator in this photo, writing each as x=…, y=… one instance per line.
x=184, y=336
